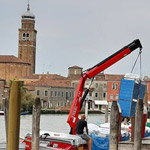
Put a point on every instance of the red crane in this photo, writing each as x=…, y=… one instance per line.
x=90, y=73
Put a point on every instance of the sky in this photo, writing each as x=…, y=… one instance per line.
x=80, y=32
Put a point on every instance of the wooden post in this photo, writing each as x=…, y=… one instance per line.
x=14, y=116
x=5, y=108
x=133, y=128
x=138, y=125
x=36, y=124
x=114, y=127
x=106, y=113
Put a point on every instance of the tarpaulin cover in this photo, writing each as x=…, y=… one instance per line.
x=100, y=143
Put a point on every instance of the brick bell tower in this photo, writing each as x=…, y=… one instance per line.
x=27, y=39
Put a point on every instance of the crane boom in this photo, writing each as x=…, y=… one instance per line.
x=90, y=73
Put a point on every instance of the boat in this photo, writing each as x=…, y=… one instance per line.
x=25, y=113
x=57, y=141
x=1, y=113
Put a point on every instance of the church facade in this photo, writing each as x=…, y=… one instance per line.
x=13, y=67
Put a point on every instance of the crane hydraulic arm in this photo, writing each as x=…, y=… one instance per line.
x=90, y=73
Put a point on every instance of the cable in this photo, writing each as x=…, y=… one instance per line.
x=136, y=61
x=140, y=65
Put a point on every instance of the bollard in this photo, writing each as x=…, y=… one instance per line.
x=114, y=127
x=36, y=124
x=138, y=125
x=14, y=116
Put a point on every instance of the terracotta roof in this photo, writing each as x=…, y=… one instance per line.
x=51, y=80
x=30, y=88
x=100, y=77
x=113, y=77
x=75, y=67
x=44, y=76
x=11, y=59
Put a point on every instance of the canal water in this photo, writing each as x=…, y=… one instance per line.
x=50, y=122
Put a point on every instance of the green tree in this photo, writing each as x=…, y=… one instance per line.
x=27, y=100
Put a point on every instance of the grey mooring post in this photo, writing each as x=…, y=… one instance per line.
x=36, y=124
x=138, y=125
x=114, y=127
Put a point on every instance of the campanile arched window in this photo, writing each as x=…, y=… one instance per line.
x=25, y=36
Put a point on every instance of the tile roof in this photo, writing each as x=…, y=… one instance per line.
x=30, y=88
x=100, y=77
x=11, y=59
x=53, y=80
x=44, y=76
x=113, y=77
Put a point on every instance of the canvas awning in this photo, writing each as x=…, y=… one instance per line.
x=100, y=102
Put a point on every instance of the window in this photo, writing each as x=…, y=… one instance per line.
x=111, y=97
x=67, y=95
x=51, y=93
x=117, y=97
x=70, y=94
x=73, y=84
x=25, y=36
x=58, y=94
x=114, y=86
x=55, y=93
x=105, y=85
x=104, y=95
x=62, y=94
x=75, y=71
x=46, y=93
x=96, y=85
x=96, y=94
x=38, y=93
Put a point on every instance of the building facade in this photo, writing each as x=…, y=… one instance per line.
x=53, y=90
x=27, y=39
x=13, y=67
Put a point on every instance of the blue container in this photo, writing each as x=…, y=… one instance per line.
x=130, y=92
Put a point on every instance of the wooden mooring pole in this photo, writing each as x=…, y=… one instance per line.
x=14, y=116
x=133, y=128
x=138, y=125
x=36, y=124
x=106, y=114
x=114, y=126
x=5, y=108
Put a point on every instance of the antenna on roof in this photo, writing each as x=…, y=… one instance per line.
x=28, y=8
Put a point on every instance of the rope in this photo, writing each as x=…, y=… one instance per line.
x=136, y=62
x=140, y=65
